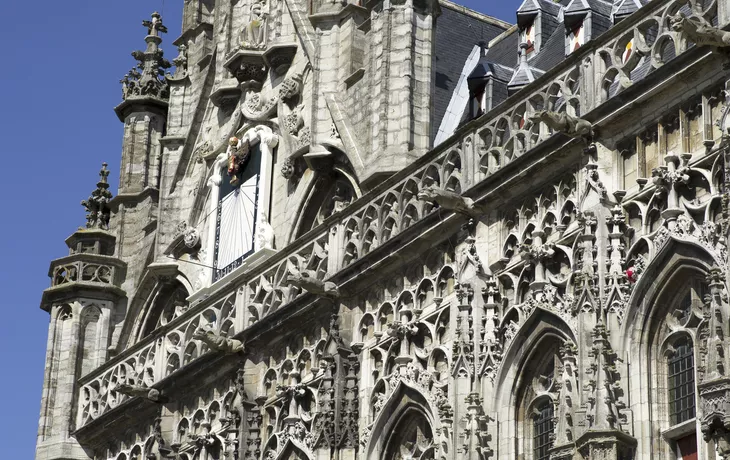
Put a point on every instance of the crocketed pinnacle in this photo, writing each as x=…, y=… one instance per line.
x=147, y=79
x=97, y=205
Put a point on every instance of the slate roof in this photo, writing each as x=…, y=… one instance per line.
x=458, y=30
x=457, y=33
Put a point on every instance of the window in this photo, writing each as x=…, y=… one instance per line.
x=576, y=38
x=630, y=169
x=543, y=426
x=681, y=374
x=527, y=35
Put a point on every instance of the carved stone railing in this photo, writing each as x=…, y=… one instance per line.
x=69, y=270
x=156, y=357
x=479, y=150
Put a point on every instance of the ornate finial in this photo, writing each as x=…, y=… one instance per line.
x=147, y=78
x=97, y=206
x=155, y=26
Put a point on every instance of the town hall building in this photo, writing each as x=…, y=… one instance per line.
x=405, y=230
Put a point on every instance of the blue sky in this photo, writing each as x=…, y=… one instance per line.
x=58, y=86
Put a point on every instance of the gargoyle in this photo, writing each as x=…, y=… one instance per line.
x=564, y=123
x=217, y=342
x=699, y=32
x=307, y=280
x=451, y=201
x=150, y=394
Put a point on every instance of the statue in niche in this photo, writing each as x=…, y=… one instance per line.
x=254, y=34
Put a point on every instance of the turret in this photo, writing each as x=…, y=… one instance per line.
x=82, y=301
x=145, y=93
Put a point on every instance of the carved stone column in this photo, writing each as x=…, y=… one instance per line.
x=714, y=392
x=605, y=438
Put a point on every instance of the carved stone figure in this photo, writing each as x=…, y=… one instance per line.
x=308, y=281
x=264, y=232
x=133, y=391
x=254, y=34
x=564, y=123
x=450, y=201
x=217, y=342
x=239, y=152
x=699, y=32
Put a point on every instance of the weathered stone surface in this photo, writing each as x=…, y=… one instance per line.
x=291, y=269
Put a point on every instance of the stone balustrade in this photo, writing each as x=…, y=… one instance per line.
x=591, y=76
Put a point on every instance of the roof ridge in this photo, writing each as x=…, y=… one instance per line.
x=475, y=14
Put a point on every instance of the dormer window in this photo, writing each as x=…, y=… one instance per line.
x=527, y=35
x=576, y=38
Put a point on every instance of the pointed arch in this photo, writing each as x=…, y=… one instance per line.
x=292, y=450
x=666, y=266
x=405, y=404
x=519, y=387
x=145, y=300
x=318, y=202
x=661, y=329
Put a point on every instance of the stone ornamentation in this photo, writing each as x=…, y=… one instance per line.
x=147, y=78
x=134, y=391
x=181, y=65
x=264, y=233
x=287, y=168
x=699, y=32
x=239, y=153
x=218, y=342
x=98, y=212
x=253, y=35
x=450, y=201
x=562, y=122
x=308, y=281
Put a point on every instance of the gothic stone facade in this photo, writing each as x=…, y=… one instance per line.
x=400, y=229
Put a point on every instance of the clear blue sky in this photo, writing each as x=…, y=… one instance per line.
x=61, y=65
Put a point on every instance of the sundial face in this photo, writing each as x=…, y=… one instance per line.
x=237, y=216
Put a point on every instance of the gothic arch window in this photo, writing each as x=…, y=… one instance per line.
x=536, y=404
x=412, y=438
x=676, y=369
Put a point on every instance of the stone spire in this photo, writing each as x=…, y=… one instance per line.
x=146, y=80
x=97, y=206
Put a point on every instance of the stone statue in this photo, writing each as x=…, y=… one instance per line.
x=217, y=342
x=450, y=200
x=264, y=233
x=306, y=280
x=253, y=35
x=150, y=394
x=699, y=32
x=564, y=123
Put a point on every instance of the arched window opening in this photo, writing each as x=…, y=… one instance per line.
x=543, y=426
x=411, y=439
x=676, y=391
x=536, y=400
